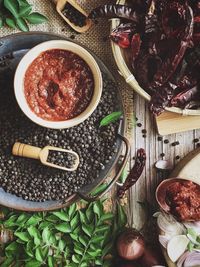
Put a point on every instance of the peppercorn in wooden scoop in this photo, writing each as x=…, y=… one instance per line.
x=73, y=14
x=55, y=157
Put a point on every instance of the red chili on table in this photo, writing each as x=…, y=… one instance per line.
x=58, y=85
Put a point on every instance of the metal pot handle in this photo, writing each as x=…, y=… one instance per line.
x=114, y=180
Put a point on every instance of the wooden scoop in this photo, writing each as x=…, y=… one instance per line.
x=60, y=4
x=33, y=152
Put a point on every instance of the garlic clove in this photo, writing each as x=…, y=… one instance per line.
x=163, y=165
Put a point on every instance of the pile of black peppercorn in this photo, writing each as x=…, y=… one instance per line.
x=73, y=15
x=62, y=159
x=33, y=181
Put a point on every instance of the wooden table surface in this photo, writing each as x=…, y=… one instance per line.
x=144, y=190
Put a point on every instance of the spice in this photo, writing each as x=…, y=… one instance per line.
x=177, y=157
x=184, y=200
x=58, y=85
x=139, y=124
x=144, y=131
x=176, y=143
x=76, y=17
x=62, y=159
x=72, y=36
x=160, y=138
x=144, y=136
x=166, y=141
x=162, y=155
x=196, y=140
x=135, y=172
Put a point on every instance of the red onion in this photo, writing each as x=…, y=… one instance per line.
x=193, y=259
x=130, y=264
x=182, y=259
x=130, y=245
x=151, y=257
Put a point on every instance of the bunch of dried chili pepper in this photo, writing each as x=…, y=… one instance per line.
x=161, y=37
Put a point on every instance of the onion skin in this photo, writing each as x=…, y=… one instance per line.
x=151, y=257
x=130, y=245
x=123, y=263
x=128, y=265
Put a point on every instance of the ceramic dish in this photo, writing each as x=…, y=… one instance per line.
x=29, y=58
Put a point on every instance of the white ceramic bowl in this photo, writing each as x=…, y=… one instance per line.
x=33, y=54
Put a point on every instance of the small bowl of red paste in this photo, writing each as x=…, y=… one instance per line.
x=58, y=84
x=180, y=198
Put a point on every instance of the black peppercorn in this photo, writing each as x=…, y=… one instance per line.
x=166, y=141
x=73, y=15
x=31, y=180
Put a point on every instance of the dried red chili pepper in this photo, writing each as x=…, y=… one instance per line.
x=161, y=47
x=193, y=57
x=192, y=105
x=135, y=47
x=161, y=98
x=171, y=63
x=151, y=18
x=123, y=34
x=135, y=172
x=115, y=11
x=143, y=72
x=185, y=97
x=174, y=19
x=196, y=33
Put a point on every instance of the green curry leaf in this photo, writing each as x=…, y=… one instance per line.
x=36, y=18
x=111, y=118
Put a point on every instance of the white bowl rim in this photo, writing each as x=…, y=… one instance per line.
x=28, y=58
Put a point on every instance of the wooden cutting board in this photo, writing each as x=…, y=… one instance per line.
x=170, y=123
x=187, y=168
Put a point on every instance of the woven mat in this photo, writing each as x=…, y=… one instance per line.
x=96, y=39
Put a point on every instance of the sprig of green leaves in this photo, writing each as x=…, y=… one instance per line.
x=68, y=237
x=18, y=13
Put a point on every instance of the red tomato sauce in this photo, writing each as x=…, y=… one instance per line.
x=184, y=200
x=58, y=85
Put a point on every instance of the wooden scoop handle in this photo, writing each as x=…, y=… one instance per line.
x=26, y=151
